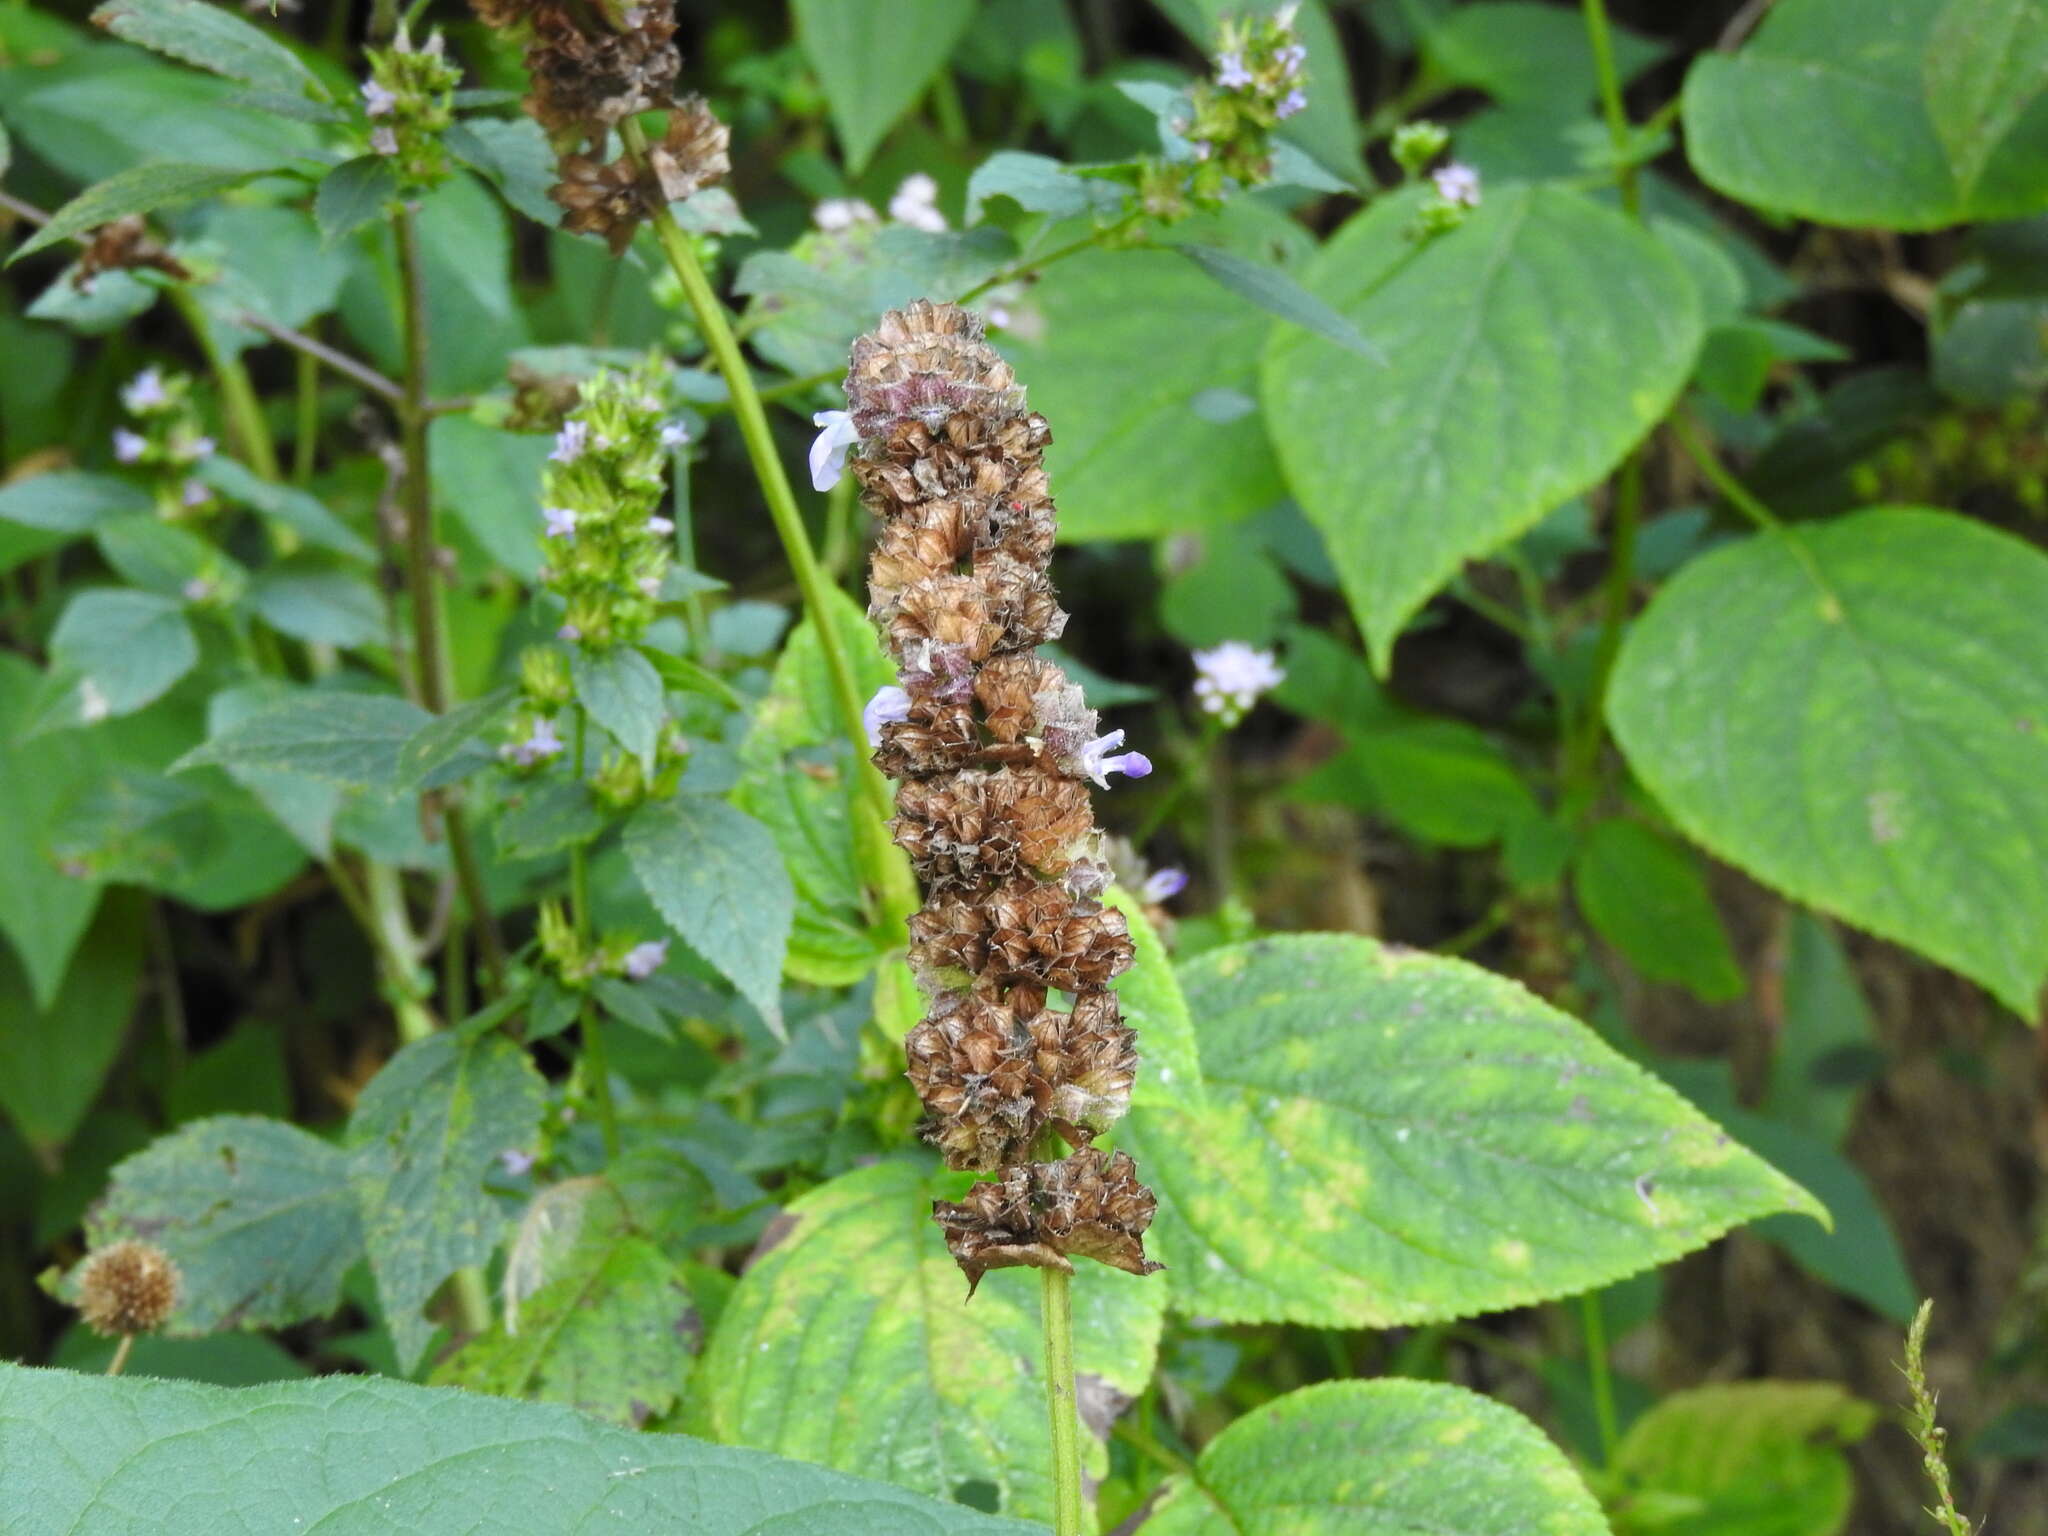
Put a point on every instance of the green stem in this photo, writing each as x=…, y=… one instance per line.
x=948, y=111
x=1737, y=495
x=888, y=873
x=391, y=932
x=1031, y=264
x=1069, y=1513
x=1583, y=752
x=306, y=435
x=247, y=429
x=597, y=1066
x=1602, y=1379
x=1602, y=39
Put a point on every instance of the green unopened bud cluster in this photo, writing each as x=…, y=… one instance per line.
x=166, y=440
x=410, y=102
x=1259, y=83
x=608, y=547
x=1454, y=186
x=576, y=962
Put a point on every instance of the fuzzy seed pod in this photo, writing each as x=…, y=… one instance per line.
x=127, y=1287
x=994, y=749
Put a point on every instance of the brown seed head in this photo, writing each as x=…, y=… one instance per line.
x=925, y=363
x=127, y=1287
x=1043, y=1214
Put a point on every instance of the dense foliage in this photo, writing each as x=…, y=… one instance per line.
x=1547, y=511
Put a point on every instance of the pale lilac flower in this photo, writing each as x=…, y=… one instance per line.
x=144, y=392
x=570, y=442
x=999, y=316
x=570, y=633
x=377, y=101
x=661, y=526
x=93, y=705
x=1290, y=104
x=916, y=203
x=1231, y=73
x=197, y=590
x=541, y=744
x=837, y=213
x=129, y=446
x=517, y=1164
x=1458, y=183
x=561, y=522
x=828, y=451
x=1291, y=58
x=384, y=141
x=650, y=587
x=889, y=705
x=1230, y=678
x=674, y=434
x=199, y=448
x=195, y=493
x=643, y=960
x=1098, y=765
x=1165, y=884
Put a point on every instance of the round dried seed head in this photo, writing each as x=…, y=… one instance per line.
x=127, y=1287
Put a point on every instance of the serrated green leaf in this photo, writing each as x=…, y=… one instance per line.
x=513, y=152
x=139, y=189
x=70, y=502
x=1434, y=1141
x=342, y=738
x=361, y=1454
x=305, y=807
x=855, y=1327
x=797, y=780
x=423, y=1135
x=1827, y=113
x=58, y=1052
x=1392, y=1455
x=1273, y=290
x=1839, y=711
x=716, y=877
x=161, y=557
x=447, y=748
x=623, y=693
x=1037, y=184
x=1748, y=1458
x=316, y=602
x=352, y=194
x=547, y=816
x=874, y=58
x=1529, y=349
x=1647, y=897
x=116, y=651
x=305, y=515
x=43, y=911
x=210, y=37
x=257, y=1214
x=490, y=480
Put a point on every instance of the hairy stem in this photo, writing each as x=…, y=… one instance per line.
x=591, y=1029
x=1069, y=1514
x=887, y=873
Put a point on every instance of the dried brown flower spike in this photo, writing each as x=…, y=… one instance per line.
x=994, y=749
x=127, y=1288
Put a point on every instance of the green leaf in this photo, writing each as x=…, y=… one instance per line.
x=1120, y=383
x=1517, y=51
x=716, y=877
x=211, y=38
x=362, y=1454
x=1273, y=290
x=514, y=154
x=448, y=747
x=797, y=780
x=305, y=807
x=140, y=189
x=1829, y=113
x=303, y=514
x=352, y=194
x=1037, y=184
x=1646, y=896
x=160, y=557
x=547, y=816
x=1749, y=1458
x=43, y=911
x=490, y=480
x=851, y=1342
x=1826, y=1045
x=323, y=733
x=1433, y=1140
x=1840, y=711
x=58, y=1052
x=71, y=502
x=1530, y=348
x=1442, y=781
x=1170, y=1071
x=257, y=1213
x=874, y=58
x=1389, y=1455
x=316, y=602
x=623, y=693
x=607, y=1324
x=424, y=1134
x=117, y=650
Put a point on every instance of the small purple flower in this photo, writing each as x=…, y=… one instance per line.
x=541, y=744
x=1290, y=104
x=674, y=434
x=660, y=526
x=144, y=392
x=570, y=633
x=384, y=141
x=199, y=448
x=650, y=587
x=1231, y=73
x=197, y=590
x=194, y=493
x=643, y=960
x=570, y=442
x=561, y=522
x=1098, y=765
x=1291, y=58
x=517, y=1164
x=889, y=704
x=1458, y=183
x=828, y=450
x=377, y=101
x=129, y=446
x=1165, y=884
